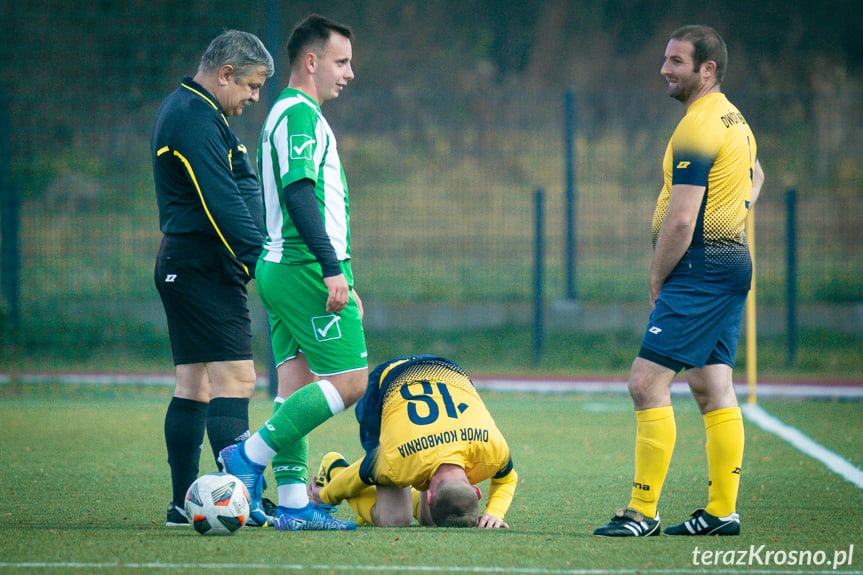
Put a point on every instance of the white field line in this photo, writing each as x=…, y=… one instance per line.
x=803, y=391
x=398, y=568
x=834, y=462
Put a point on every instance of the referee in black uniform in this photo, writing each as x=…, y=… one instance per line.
x=210, y=213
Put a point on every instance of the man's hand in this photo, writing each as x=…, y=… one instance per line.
x=313, y=491
x=491, y=522
x=339, y=293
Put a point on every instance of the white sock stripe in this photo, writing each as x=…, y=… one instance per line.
x=334, y=398
x=258, y=451
x=293, y=495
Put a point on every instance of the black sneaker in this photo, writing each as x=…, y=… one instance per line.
x=703, y=523
x=269, y=506
x=629, y=523
x=176, y=516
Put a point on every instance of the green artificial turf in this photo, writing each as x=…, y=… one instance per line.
x=84, y=481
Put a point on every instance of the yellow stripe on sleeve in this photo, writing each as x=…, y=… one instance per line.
x=206, y=210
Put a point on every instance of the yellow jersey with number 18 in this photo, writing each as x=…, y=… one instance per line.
x=430, y=414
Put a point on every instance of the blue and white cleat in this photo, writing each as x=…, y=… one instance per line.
x=234, y=461
x=310, y=518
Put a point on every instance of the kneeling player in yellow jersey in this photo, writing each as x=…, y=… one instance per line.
x=423, y=426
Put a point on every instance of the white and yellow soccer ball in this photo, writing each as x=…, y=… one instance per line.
x=217, y=504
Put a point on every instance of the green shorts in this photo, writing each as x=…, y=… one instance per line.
x=295, y=298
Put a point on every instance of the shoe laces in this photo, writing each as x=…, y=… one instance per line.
x=321, y=516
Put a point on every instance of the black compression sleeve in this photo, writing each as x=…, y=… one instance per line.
x=304, y=212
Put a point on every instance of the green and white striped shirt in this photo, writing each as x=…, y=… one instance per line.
x=297, y=143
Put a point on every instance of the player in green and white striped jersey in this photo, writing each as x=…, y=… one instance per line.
x=298, y=144
x=304, y=276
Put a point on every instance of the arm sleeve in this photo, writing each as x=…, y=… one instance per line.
x=695, y=147
x=303, y=209
x=345, y=484
x=206, y=153
x=500, y=493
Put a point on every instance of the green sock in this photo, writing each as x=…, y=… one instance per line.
x=291, y=463
x=303, y=411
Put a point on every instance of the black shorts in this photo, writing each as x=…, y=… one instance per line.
x=203, y=291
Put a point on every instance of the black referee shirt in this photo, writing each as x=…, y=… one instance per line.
x=205, y=183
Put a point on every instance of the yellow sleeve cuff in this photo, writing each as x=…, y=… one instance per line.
x=500, y=494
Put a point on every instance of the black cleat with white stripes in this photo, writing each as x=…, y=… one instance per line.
x=703, y=523
x=629, y=523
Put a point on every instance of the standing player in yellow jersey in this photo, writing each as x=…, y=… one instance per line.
x=423, y=425
x=699, y=278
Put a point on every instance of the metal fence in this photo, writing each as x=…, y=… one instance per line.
x=442, y=191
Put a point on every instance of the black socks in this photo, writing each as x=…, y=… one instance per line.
x=227, y=422
x=184, y=435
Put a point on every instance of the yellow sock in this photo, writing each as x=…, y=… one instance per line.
x=725, y=440
x=362, y=505
x=415, y=500
x=654, y=444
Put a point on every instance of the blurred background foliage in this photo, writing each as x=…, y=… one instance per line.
x=454, y=118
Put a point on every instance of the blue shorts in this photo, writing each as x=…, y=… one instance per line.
x=692, y=327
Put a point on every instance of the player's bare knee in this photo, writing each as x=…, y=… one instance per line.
x=352, y=386
x=392, y=518
x=702, y=399
x=397, y=522
x=193, y=382
x=649, y=384
x=641, y=393
x=232, y=379
x=354, y=394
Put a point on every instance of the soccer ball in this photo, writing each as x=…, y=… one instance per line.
x=217, y=504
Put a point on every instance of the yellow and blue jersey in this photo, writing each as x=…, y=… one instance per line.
x=418, y=413
x=712, y=146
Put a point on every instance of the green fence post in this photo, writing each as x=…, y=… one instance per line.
x=538, y=255
x=791, y=274
x=569, y=192
x=10, y=217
